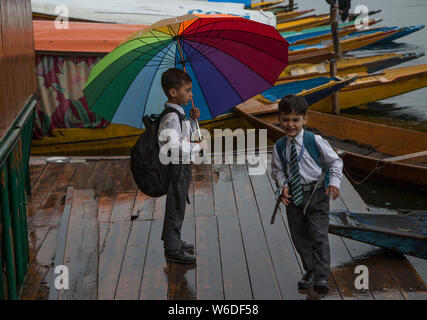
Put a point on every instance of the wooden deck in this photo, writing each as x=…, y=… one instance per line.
x=240, y=255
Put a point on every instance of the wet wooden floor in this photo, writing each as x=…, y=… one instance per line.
x=240, y=255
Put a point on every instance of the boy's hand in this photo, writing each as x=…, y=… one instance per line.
x=203, y=145
x=195, y=113
x=333, y=192
x=286, y=197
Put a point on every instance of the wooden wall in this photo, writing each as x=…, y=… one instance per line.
x=17, y=59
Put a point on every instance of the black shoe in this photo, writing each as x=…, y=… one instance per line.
x=306, y=281
x=180, y=256
x=187, y=247
x=321, y=286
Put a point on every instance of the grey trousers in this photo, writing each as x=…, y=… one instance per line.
x=174, y=217
x=309, y=233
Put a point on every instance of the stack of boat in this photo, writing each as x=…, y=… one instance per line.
x=360, y=80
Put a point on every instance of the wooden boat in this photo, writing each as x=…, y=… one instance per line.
x=317, y=37
x=353, y=16
x=367, y=64
x=345, y=33
x=407, y=146
x=368, y=88
x=307, y=22
x=274, y=6
x=312, y=88
x=302, y=23
x=288, y=15
x=285, y=16
x=385, y=139
x=387, y=84
x=114, y=140
x=401, y=32
x=404, y=233
x=119, y=139
x=344, y=25
x=348, y=43
x=319, y=53
x=265, y=5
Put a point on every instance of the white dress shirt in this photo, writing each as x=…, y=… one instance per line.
x=170, y=133
x=308, y=168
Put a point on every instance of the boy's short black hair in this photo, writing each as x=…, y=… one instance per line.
x=293, y=104
x=174, y=78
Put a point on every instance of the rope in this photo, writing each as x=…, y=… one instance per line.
x=376, y=168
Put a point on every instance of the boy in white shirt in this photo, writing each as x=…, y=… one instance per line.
x=309, y=173
x=175, y=131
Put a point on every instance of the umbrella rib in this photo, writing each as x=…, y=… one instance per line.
x=195, y=20
x=150, y=45
x=109, y=83
x=189, y=56
x=149, y=89
x=249, y=46
x=257, y=73
x=149, y=54
x=221, y=74
x=169, y=27
x=172, y=55
x=246, y=21
x=206, y=51
x=213, y=22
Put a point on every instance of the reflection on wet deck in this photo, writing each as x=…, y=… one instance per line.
x=240, y=255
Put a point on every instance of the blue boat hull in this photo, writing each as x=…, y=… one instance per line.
x=401, y=33
x=404, y=32
x=279, y=91
x=406, y=234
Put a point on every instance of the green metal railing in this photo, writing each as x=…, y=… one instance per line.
x=15, y=149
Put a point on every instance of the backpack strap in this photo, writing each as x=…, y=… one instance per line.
x=281, y=151
x=313, y=150
x=309, y=143
x=174, y=179
x=167, y=110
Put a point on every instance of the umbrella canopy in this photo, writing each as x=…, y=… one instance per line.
x=229, y=59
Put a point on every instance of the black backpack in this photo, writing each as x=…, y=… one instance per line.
x=151, y=176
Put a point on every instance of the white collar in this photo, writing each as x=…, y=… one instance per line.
x=299, y=138
x=175, y=106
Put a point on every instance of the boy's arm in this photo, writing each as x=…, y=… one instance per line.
x=332, y=159
x=277, y=172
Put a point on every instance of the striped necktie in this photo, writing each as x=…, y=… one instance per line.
x=296, y=187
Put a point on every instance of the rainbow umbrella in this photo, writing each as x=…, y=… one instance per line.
x=230, y=59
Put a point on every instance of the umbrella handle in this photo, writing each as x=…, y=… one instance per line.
x=198, y=130
x=200, y=137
